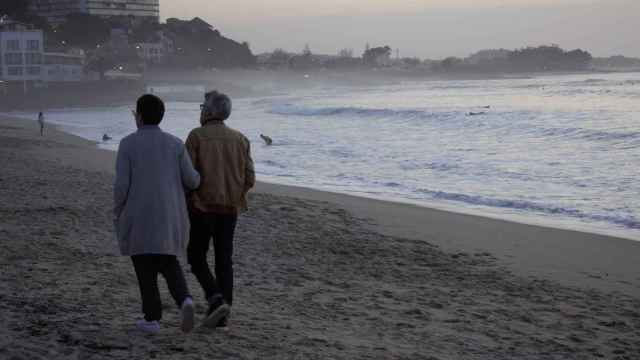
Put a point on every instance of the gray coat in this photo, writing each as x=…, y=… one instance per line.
x=153, y=170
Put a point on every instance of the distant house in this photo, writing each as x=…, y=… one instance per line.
x=151, y=53
x=119, y=39
x=156, y=52
x=122, y=75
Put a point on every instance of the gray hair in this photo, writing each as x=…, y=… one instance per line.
x=216, y=106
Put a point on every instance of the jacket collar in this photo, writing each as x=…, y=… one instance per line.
x=214, y=122
x=149, y=127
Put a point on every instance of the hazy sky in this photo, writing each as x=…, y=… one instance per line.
x=423, y=28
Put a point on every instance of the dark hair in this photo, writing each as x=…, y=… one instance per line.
x=151, y=109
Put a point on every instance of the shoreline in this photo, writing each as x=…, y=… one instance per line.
x=318, y=275
x=459, y=210
x=528, y=249
x=448, y=208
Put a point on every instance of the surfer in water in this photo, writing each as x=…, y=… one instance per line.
x=267, y=140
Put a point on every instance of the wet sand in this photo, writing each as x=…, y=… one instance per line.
x=318, y=276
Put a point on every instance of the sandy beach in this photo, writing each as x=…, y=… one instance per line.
x=319, y=276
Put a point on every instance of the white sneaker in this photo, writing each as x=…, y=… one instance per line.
x=151, y=327
x=188, y=318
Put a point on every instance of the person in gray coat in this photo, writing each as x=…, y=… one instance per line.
x=153, y=171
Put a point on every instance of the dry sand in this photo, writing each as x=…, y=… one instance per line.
x=319, y=276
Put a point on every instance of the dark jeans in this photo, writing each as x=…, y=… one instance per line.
x=221, y=228
x=147, y=268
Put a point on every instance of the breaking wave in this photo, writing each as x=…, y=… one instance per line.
x=629, y=222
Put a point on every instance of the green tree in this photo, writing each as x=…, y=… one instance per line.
x=345, y=53
x=450, y=63
x=83, y=31
x=17, y=9
x=306, y=51
x=549, y=58
x=101, y=62
x=199, y=45
x=279, y=56
x=412, y=62
x=372, y=56
x=579, y=59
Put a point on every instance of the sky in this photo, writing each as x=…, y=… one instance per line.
x=431, y=29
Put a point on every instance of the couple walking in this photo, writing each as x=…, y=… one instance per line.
x=169, y=197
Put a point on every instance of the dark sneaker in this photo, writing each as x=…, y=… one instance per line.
x=218, y=309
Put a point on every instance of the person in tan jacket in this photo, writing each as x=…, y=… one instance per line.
x=222, y=156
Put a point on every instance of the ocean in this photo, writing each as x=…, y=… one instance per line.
x=560, y=151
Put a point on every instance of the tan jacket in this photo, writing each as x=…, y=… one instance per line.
x=222, y=156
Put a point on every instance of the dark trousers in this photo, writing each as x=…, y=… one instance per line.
x=220, y=227
x=147, y=268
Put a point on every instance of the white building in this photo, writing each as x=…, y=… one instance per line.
x=63, y=67
x=156, y=51
x=151, y=53
x=22, y=57
x=21, y=50
x=57, y=10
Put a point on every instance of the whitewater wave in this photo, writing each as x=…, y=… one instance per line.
x=603, y=82
x=273, y=164
x=288, y=109
x=433, y=165
x=628, y=221
x=590, y=135
x=588, y=83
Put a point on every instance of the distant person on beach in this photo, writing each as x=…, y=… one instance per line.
x=106, y=137
x=153, y=169
x=222, y=156
x=41, y=123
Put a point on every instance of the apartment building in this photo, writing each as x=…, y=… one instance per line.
x=23, y=59
x=56, y=11
x=21, y=52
